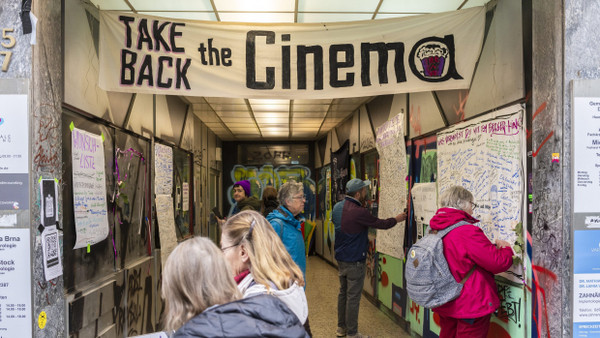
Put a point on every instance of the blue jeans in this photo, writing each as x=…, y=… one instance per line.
x=352, y=279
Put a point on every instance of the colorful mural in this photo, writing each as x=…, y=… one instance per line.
x=276, y=176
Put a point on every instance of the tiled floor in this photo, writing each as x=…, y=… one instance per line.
x=321, y=292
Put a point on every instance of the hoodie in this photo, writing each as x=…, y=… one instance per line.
x=258, y=316
x=468, y=247
x=248, y=203
x=294, y=296
x=289, y=229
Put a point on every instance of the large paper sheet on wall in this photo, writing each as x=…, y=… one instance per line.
x=424, y=197
x=163, y=170
x=166, y=225
x=392, y=174
x=89, y=188
x=486, y=157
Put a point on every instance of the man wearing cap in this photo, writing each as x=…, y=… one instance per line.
x=243, y=197
x=352, y=222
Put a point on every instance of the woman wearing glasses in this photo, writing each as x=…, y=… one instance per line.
x=260, y=263
x=470, y=255
x=283, y=219
x=202, y=300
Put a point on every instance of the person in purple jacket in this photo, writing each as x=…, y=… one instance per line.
x=470, y=253
x=352, y=222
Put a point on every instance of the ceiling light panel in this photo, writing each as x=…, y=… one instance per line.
x=332, y=17
x=178, y=5
x=270, y=107
x=227, y=100
x=419, y=6
x=311, y=114
x=257, y=17
x=309, y=108
x=255, y=5
x=229, y=107
x=337, y=5
x=234, y=114
x=271, y=120
x=111, y=5
x=276, y=115
x=200, y=16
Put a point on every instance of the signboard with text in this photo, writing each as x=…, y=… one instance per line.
x=151, y=55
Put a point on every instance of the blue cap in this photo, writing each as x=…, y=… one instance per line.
x=356, y=184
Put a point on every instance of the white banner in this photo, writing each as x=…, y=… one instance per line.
x=145, y=54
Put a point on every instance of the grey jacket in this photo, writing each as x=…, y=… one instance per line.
x=258, y=316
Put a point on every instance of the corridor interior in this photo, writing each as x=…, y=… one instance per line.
x=322, y=288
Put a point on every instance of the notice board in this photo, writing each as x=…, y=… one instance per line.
x=486, y=156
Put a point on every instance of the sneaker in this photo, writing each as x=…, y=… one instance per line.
x=357, y=335
x=341, y=332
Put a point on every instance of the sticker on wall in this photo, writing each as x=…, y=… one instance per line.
x=555, y=157
x=42, y=319
x=592, y=221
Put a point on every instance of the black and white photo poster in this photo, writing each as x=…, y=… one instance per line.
x=49, y=202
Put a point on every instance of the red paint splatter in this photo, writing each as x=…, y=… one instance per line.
x=384, y=279
x=414, y=309
x=460, y=111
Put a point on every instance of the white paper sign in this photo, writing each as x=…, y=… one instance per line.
x=15, y=283
x=89, y=188
x=166, y=225
x=424, y=196
x=51, y=250
x=586, y=157
x=163, y=169
x=185, y=191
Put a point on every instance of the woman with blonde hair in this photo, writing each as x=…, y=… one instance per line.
x=202, y=300
x=260, y=262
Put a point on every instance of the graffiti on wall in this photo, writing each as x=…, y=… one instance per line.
x=140, y=312
x=276, y=176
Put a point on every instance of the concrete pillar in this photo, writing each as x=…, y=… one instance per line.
x=45, y=125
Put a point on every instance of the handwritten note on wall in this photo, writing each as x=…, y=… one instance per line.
x=424, y=197
x=486, y=157
x=166, y=225
x=89, y=188
x=163, y=169
x=392, y=173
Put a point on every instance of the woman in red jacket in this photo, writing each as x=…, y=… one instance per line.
x=467, y=248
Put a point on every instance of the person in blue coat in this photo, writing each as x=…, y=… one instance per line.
x=202, y=299
x=286, y=225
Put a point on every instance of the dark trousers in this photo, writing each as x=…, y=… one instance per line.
x=352, y=279
x=464, y=328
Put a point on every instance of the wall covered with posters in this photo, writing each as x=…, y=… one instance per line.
x=113, y=286
x=426, y=113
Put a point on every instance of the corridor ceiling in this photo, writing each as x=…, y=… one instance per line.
x=259, y=119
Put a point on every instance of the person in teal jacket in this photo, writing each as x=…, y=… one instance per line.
x=284, y=222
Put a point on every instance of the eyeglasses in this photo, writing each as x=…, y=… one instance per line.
x=474, y=205
x=229, y=247
x=303, y=197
